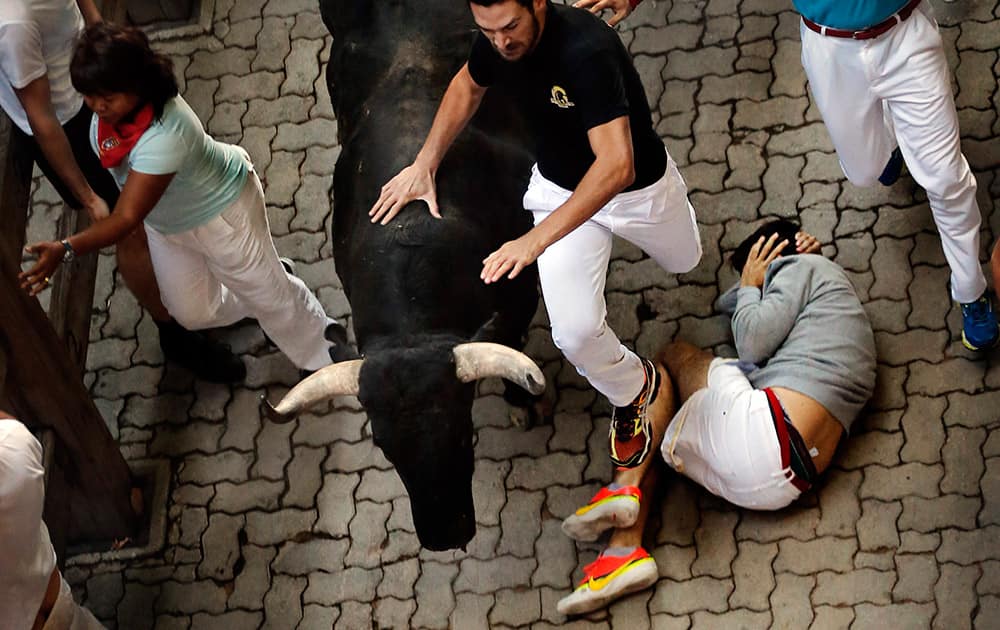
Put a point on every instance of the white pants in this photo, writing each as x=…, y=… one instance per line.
x=68, y=615
x=723, y=438
x=892, y=89
x=574, y=269
x=227, y=269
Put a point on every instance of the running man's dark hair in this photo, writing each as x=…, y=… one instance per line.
x=110, y=58
x=489, y=3
x=784, y=229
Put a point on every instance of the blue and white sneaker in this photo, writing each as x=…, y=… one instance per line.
x=979, y=324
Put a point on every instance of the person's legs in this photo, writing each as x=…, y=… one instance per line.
x=624, y=566
x=688, y=366
x=838, y=71
x=916, y=84
x=240, y=253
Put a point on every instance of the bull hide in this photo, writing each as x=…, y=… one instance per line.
x=414, y=285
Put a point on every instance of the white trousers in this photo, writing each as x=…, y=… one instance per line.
x=896, y=89
x=723, y=438
x=227, y=269
x=573, y=271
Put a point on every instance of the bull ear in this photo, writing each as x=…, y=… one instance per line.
x=339, y=379
x=476, y=360
x=488, y=331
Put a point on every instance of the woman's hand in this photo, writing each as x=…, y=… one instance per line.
x=50, y=255
x=761, y=255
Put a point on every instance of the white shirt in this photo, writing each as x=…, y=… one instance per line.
x=26, y=554
x=37, y=39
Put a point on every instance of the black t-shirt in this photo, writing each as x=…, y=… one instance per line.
x=578, y=77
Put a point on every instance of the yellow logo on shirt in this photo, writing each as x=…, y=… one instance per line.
x=560, y=98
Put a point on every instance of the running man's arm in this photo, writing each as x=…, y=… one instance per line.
x=621, y=8
x=613, y=171
x=36, y=100
x=416, y=181
x=90, y=13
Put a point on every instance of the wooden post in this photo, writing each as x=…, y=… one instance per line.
x=73, y=293
x=43, y=381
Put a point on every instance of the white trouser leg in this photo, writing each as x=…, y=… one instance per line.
x=917, y=87
x=227, y=269
x=573, y=272
x=853, y=113
x=905, y=72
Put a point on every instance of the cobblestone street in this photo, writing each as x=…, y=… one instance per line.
x=306, y=525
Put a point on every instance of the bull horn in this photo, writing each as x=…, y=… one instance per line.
x=339, y=379
x=480, y=359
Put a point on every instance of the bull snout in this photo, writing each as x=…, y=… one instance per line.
x=445, y=524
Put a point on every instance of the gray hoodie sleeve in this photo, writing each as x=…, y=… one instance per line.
x=763, y=320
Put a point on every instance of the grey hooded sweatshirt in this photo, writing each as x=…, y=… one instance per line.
x=806, y=330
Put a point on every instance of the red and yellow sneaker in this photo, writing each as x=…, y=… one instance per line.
x=612, y=506
x=631, y=434
x=616, y=572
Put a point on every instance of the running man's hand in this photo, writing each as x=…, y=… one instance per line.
x=761, y=255
x=806, y=243
x=512, y=256
x=622, y=8
x=412, y=183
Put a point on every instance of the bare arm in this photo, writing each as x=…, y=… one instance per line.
x=36, y=100
x=612, y=172
x=139, y=195
x=621, y=8
x=460, y=102
x=89, y=10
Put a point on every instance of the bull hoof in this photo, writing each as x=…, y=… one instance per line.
x=268, y=411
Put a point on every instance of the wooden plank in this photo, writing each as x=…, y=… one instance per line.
x=45, y=389
x=57, y=495
x=15, y=186
x=73, y=293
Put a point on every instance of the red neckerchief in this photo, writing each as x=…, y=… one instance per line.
x=115, y=141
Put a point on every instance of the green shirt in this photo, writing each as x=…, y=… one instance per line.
x=209, y=175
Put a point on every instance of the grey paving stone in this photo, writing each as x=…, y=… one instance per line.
x=274, y=450
x=703, y=593
x=221, y=546
x=482, y=577
x=318, y=617
x=860, y=585
x=271, y=528
x=962, y=472
x=135, y=610
x=753, y=584
x=335, y=503
x=212, y=64
x=282, y=604
x=312, y=555
x=839, y=505
x=351, y=584
x=301, y=67
x=208, y=469
x=236, y=618
x=907, y=479
x=191, y=597
x=368, y=534
x=556, y=554
x=305, y=477
x=716, y=544
x=877, y=528
x=434, y=604
x=538, y=473
x=201, y=437
x=967, y=547
x=519, y=522
x=816, y=555
x=955, y=596
x=901, y=615
x=254, y=580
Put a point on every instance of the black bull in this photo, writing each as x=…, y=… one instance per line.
x=414, y=285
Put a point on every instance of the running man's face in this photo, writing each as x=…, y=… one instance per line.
x=512, y=29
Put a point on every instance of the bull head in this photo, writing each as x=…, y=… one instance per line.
x=421, y=419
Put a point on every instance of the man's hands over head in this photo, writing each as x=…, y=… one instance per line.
x=761, y=255
x=413, y=182
x=621, y=8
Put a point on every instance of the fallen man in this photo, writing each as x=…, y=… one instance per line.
x=756, y=431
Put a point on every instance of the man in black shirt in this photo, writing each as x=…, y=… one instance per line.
x=601, y=170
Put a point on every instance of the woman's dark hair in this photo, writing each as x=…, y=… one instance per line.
x=111, y=58
x=489, y=3
x=784, y=229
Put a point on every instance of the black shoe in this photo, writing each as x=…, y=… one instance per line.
x=340, y=350
x=208, y=359
x=893, y=168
